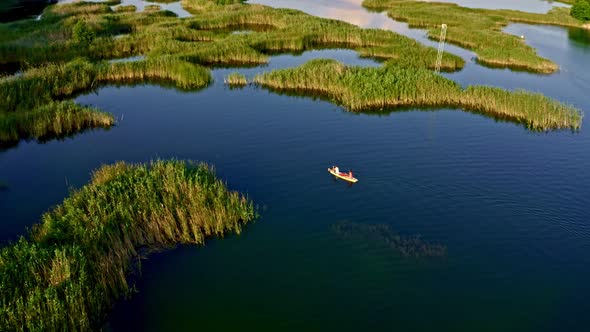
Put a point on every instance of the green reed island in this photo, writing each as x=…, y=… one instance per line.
x=67, y=52
x=391, y=86
x=66, y=274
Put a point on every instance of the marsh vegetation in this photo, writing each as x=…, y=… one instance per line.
x=479, y=30
x=65, y=53
x=65, y=275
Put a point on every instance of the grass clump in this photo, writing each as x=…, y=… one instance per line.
x=52, y=120
x=235, y=80
x=66, y=274
x=365, y=89
x=479, y=30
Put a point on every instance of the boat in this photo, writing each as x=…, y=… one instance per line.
x=342, y=175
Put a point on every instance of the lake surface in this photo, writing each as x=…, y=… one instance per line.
x=510, y=206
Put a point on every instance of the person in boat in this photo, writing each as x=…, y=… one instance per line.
x=350, y=173
x=336, y=170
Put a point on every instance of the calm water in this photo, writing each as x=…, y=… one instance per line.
x=511, y=206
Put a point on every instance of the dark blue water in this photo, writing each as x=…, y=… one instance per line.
x=510, y=205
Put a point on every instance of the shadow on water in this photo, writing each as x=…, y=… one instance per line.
x=382, y=235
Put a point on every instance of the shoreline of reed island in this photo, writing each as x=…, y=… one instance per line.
x=479, y=30
x=67, y=273
x=370, y=89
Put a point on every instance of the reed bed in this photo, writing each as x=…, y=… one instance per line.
x=52, y=120
x=182, y=74
x=368, y=89
x=235, y=80
x=66, y=274
x=479, y=30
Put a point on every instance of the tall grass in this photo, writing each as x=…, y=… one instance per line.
x=362, y=89
x=52, y=120
x=66, y=274
x=479, y=30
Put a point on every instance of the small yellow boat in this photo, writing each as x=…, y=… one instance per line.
x=344, y=176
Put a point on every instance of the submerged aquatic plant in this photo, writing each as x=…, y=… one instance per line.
x=71, y=268
x=382, y=234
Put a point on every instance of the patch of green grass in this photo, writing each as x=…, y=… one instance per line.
x=67, y=273
x=479, y=30
x=366, y=89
